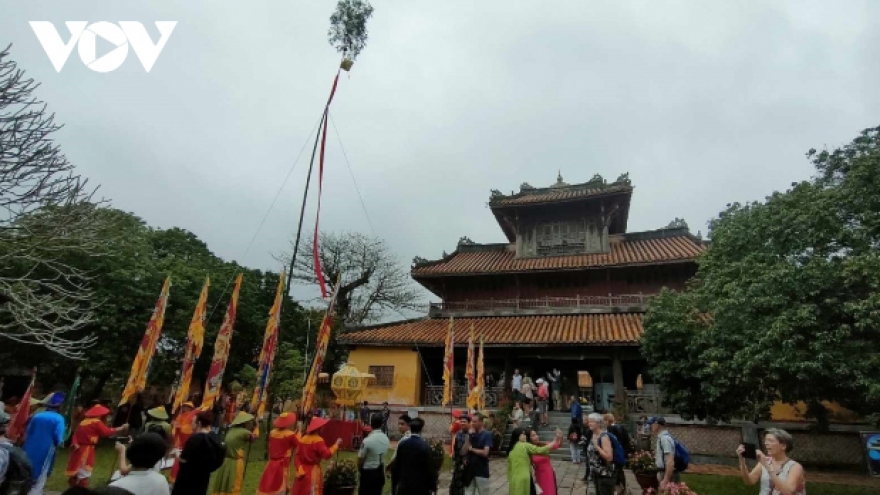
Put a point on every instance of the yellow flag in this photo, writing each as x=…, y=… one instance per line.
x=195, y=340
x=137, y=380
x=448, y=362
x=221, y=350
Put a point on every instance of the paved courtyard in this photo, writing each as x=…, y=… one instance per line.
x=568, y=478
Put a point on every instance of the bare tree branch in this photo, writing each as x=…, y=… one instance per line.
x=374, y=282
x=46, y=216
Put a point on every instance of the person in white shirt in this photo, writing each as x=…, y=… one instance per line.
x=516, y=386
x=370, y=458
x=143, y=454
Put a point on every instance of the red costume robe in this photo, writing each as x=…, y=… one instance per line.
x=276, y=476
x=183, y=429
x=309, y=477
x=82, y=450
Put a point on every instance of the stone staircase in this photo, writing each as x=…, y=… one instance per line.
x=561, y=420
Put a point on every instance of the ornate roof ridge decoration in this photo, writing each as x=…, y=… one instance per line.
x=596, y=185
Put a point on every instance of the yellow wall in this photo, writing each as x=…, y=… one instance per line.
x=407, y=373
x=787, y=412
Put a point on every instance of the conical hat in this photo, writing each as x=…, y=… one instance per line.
x=284, y=420
x=158, y=413
x=97, y=411
x=241, y=418
x=316, y=424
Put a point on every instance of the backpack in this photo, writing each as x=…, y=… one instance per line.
x=681, y=456
x=19, y=474
x=619, y=458
x=542, y=391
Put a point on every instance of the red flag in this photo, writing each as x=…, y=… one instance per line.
x=19, y=420
x=318, y=271
x=140, y=368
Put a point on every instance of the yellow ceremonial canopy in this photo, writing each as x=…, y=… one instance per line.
x=348, y=384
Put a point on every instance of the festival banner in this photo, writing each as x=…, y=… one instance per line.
x=70, y=405
x=448, y=362
x=137, y=380
x=481, y=378
x=221, y=351
x=321, y=342
x=267, y=356
x=195, y=340
x=469, y=373
x=19, y=420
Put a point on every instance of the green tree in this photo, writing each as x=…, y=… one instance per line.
x=786, y=301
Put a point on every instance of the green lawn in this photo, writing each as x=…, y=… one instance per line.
x=732, y=485
x=105, y=465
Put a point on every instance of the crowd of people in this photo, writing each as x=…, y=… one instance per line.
x=193, y=451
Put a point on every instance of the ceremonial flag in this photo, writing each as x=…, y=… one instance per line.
x=70, y=406
x=319, y=273
x=469, y=373
x=448, y=361
x=311, y=386
x=137, y=380
x=19, y=420
x=195, y=340
x=267, y=356
x=481, y=378
x=221, y=351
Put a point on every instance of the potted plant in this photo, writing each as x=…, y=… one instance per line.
x=643, y=466
x=438, y=451
x=341, y=478
x=672, y=489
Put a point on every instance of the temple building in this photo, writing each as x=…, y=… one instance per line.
x=568, y=290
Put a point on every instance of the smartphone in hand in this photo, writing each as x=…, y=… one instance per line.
x=751, y=451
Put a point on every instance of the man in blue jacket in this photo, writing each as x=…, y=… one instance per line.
x=45, y=433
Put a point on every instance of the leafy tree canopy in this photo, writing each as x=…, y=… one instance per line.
x=786, y=302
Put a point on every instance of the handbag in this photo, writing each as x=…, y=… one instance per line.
x=538, y=489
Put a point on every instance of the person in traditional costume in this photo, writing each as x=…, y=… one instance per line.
x=311, y=451
x=84, y=440
x=202, y=454
x=283, y=441
x=45, y=433
x=158, y=416
x=184, y=426
x=231, y=475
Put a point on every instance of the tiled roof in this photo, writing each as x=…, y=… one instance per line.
x=547, y=195
x=584, y=329
x=623, y=252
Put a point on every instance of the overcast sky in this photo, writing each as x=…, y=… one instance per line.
x=703, y=103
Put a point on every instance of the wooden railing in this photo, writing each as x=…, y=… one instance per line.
x=540, y=303
x=434, y=396
x=644, y=403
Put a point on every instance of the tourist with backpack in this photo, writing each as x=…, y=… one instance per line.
x=623, y=438
x=671, y=456
x=16, y=475
x=605, y=456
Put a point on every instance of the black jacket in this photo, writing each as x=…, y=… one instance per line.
x=414, y=468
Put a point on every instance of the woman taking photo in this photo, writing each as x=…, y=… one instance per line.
x=519, y=472
x=778, y=474
x=545, y=477
x=600, y=456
